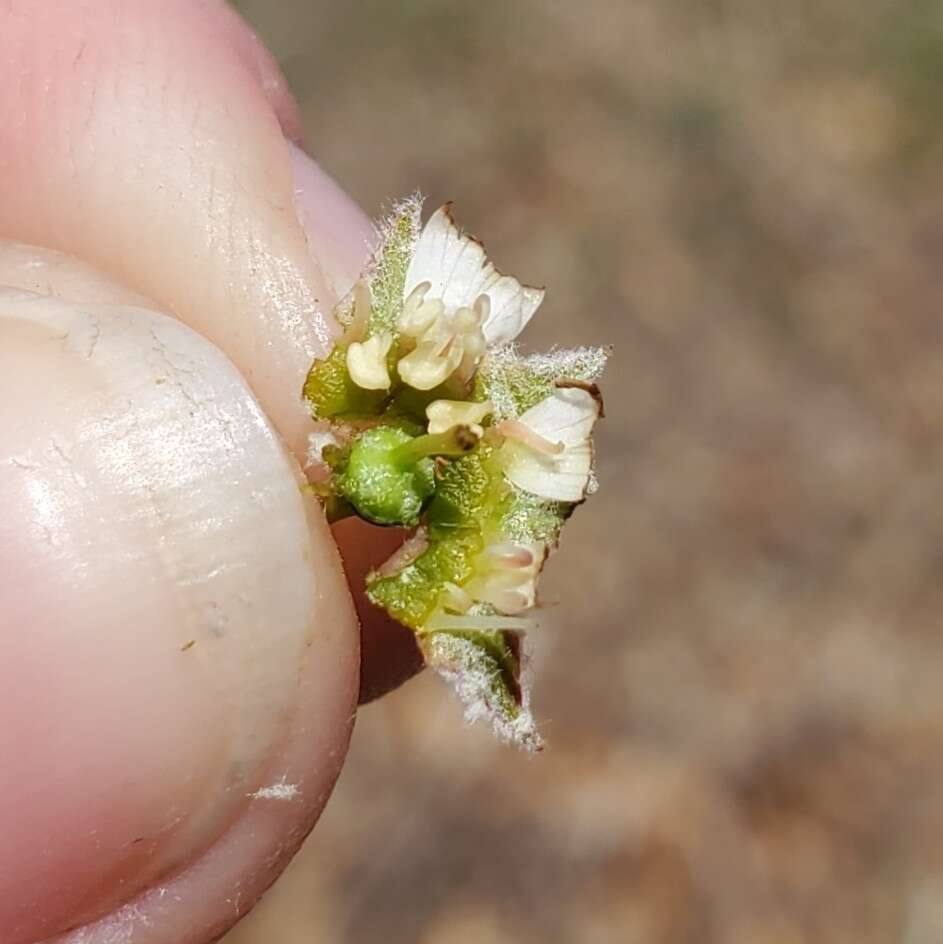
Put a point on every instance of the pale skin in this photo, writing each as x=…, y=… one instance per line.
x=178, y=637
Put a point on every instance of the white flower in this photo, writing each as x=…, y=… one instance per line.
x=366, y=362
x=444, y=414
x=456, y=304
x=548, y=451
x=458, y=272
x=505, y=577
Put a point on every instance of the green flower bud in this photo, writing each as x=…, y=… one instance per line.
x=383, y=487
x=388, y=474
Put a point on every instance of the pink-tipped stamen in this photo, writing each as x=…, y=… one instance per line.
x=515, y=429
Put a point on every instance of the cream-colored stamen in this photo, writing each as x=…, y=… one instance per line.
x=468, y=323
x=430, y=364
x=360, y=312
x=454, y=598
x=419, y=315
x=444, y=414
x=446, y=339
x=366, y=362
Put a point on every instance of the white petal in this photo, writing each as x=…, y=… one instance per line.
x=451, y=262
x=459, y=272
x=566, y=416
x=512, y=306
x=557, y=478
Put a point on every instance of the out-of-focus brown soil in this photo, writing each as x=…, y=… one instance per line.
x=742, y=683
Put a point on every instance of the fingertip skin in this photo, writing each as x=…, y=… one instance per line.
x=390, y=655
x=338, y=233
x=179, y=640
x=141, y=137
x=150, y=138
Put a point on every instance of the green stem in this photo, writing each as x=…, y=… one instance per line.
x=453, y=442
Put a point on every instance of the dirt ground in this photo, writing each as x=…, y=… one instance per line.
x=742, y=683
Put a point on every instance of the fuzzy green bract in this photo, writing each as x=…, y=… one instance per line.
x=484, y=669
x=398, y=235
x=456, y=522
x=466, y=584
x=515, y=382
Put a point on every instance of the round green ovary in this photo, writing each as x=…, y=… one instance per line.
x=382, y=490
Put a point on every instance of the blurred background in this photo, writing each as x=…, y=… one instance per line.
x=742, y=683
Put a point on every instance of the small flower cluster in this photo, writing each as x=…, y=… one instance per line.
x=437, y=422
